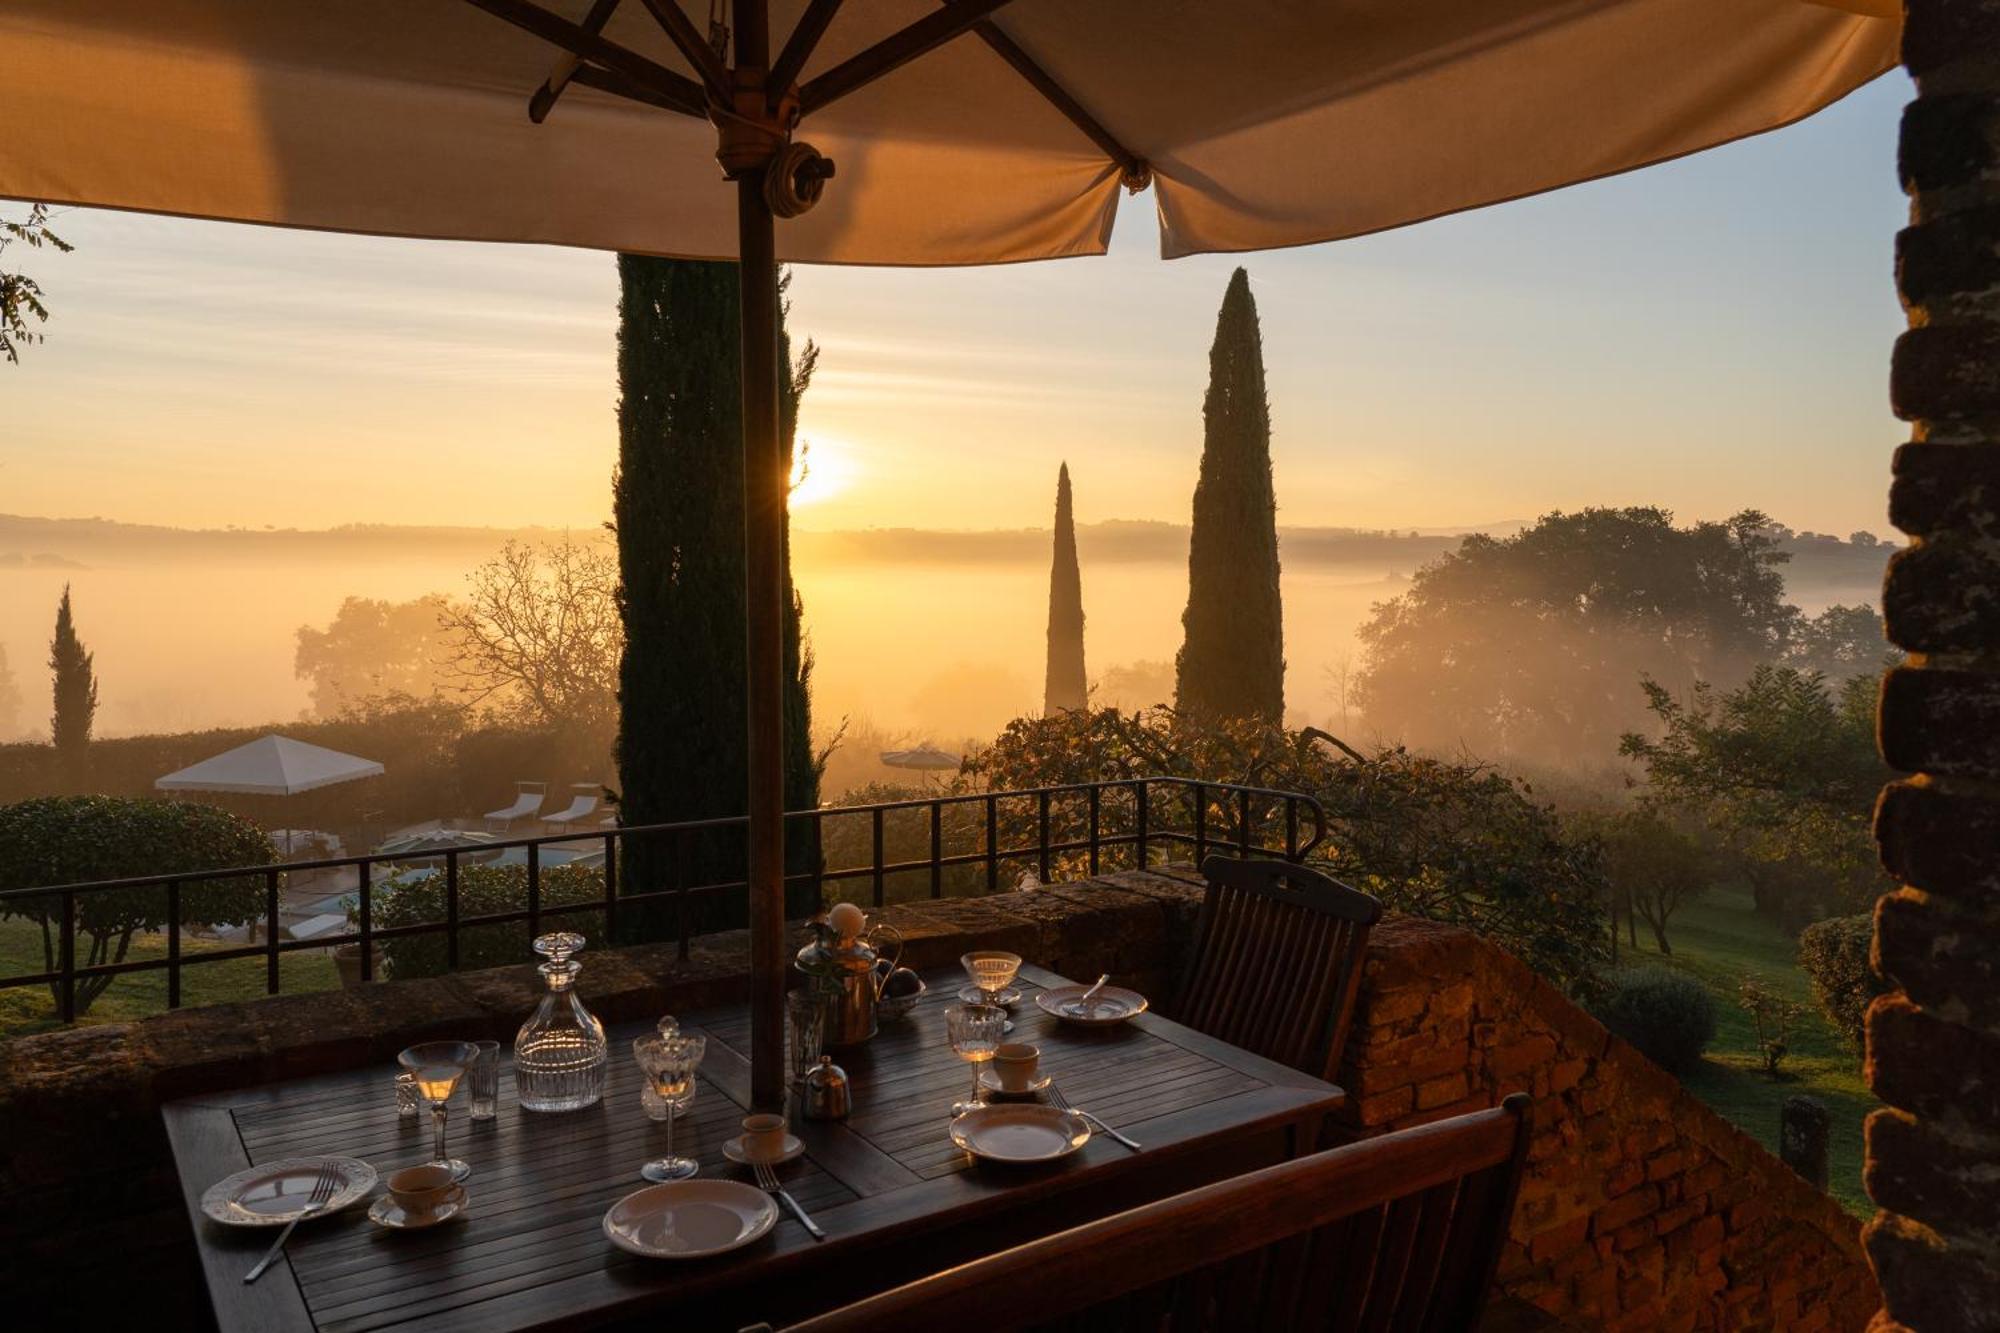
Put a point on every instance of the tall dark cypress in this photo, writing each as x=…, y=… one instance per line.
x=678, y=503
x=75, y=687
x=1232, y=659
x=1064, y=685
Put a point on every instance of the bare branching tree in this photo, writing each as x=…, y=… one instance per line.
x=539, y=636
x=21, y=295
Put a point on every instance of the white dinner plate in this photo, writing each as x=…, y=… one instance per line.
x=1114, y=1004
x=689, y=1219
x=276, y=1192
x=1020, y=1132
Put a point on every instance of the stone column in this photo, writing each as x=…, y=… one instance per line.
x=1934, y=1042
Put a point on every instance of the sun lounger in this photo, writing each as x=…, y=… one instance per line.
x=580, y=806
x=526, y=805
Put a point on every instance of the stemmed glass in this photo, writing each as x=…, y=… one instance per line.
x=975, y=1031
x=992, y=971
x=668, y=1060
x=437, y=1067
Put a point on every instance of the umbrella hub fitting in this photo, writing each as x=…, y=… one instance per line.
x=751, y=131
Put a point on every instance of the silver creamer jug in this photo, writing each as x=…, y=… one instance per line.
x=841, y=963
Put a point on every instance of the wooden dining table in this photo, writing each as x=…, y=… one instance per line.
x=894, y=1196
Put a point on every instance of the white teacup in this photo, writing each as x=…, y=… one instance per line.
x=420, y=1189
x=763, y=1137
x=1014, y=1064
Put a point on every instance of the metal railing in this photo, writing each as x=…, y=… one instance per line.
x=1080, y=827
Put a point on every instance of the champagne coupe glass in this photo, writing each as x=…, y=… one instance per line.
x=668, y=1060
x=437, y=1067
x=975, y=1031
x=992, y=972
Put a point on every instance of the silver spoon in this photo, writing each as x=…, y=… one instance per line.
x=1086, y=1003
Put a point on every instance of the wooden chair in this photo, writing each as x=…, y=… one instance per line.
x=1277, y=961
x=1398, y=1233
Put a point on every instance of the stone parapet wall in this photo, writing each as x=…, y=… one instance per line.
x=1640, y=1206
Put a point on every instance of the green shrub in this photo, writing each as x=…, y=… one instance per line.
x=79, y=839
x=1834, y=956
x=1668, y=1015
x=482, y=890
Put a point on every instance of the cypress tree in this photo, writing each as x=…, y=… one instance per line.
x=1232, y=658
x=75, y=680
x=678, y=502
x=1064, y=685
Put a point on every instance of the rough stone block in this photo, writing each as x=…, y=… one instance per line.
x=1942, y=841
x=1938, y=32
x=1946, y=961
x=1931, y=1283
x=1935, y=1068
x=1945, y=1181
x=1946, y=372
x=1941, y=721
x=1947, y=488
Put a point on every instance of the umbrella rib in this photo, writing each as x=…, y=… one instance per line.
x=892, y=52
x=800, y=45
x=1130, y=164
x=676, y=90
x=544, y=99
x=668, y=14
x=611, y=81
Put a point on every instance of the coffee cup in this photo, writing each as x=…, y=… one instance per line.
x=1014, y=1064
x=763, y=1137
x=418, y=1190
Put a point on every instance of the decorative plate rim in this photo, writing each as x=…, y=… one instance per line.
x=1048, y=1001
x=218, y=1203
x=1079, y=1135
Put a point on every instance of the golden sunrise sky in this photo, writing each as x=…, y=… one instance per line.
x=1709, y=334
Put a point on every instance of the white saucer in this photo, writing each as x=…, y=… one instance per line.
x=690, y=1219
x=991, y=1082
x=386, y=1212
x=276, y=1192
x=733, y=1150
x=1006, y=999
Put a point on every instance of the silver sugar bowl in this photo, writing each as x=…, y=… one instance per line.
x=828, y=1094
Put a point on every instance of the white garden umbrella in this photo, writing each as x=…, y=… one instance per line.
x=270, y=766
x=924, y=758
x=976, y=131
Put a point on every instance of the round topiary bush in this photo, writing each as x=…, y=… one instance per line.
x=1834, y=956
x=1668, y=1015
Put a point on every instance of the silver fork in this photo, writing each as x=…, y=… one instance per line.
x=1057, y=1099
x=322, y=1194
x=767, y=1180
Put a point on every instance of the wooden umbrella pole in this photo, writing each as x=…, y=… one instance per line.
x=764, y=484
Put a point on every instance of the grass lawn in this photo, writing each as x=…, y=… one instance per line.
x=26, y=1009
x=1717, y=940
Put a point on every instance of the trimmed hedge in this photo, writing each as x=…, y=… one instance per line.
x=482, y=890
x=1834, y=955
x=1668, y=1015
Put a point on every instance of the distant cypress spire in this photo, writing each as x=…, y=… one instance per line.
x=1232, y=658
x=1064, y=686
x=75, y=680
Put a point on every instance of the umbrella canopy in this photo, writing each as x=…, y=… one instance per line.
x=926, y=757
x=1259, y=122
x=976, y=131
x=432, y=843
x=270, y=766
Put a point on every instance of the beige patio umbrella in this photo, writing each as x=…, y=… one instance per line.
x=972, y=132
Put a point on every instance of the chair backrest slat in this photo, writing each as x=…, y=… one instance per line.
x=1276, y=962
x=1397, y=1233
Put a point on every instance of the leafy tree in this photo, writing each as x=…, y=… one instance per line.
x=1784, y=767
x=75, y=687
x=1064, y=683
x=21, y=295
x=79, y=839
x=1530, y=644
x=1654, y=868
x=10, y=698
x=678, y=501
x=1842, y=642
x=1454, y=842
x=538, y=637
x=1232, y=660
x=374, y=650
x=1774, y=1017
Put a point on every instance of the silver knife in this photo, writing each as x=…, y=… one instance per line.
x=800, y=1213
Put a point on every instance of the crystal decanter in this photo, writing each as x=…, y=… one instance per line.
x=560, y=1052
